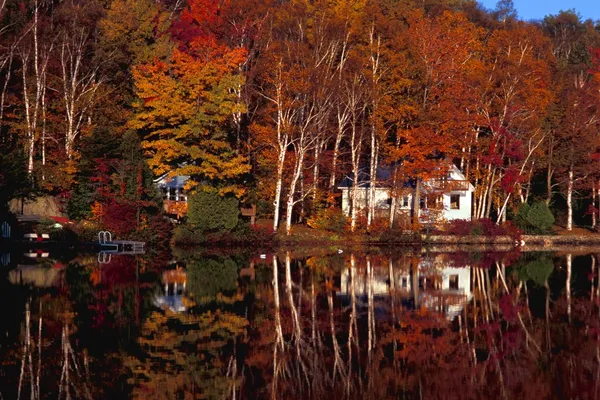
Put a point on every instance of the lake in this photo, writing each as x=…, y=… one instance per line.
x=368, y=323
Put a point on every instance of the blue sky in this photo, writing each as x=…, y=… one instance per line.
x=537, y=9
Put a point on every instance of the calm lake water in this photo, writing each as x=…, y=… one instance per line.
x=316, y=323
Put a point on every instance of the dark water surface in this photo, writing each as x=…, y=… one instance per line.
x=315, y=323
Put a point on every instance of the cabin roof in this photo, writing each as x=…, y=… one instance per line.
x=177, y=181
x=384, y=178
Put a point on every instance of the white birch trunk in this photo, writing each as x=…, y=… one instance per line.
x=570, y=200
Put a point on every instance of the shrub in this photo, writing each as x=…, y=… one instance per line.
x=535, y=218
x=399, y=236
x=241, y=234
x=253, y=234
x=329, y=219
x=207, y=211
x=155, y=230
x=184, y=235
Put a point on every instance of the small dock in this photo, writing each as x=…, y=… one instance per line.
x=107, y=245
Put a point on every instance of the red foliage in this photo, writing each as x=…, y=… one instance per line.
x=120, y=217
x=510, y=178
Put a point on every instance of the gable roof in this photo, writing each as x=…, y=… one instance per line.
x=383, y=174
x=384, y=177
x=177, y=181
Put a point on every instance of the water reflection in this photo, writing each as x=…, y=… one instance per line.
x=365, y=324
x=432, y=284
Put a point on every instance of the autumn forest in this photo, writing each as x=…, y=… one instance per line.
x=273, y=103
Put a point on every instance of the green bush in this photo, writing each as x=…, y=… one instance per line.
x=535, y=218
x=183, y=235
x=207, y=211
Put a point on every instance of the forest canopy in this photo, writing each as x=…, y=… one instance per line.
x=275, y=102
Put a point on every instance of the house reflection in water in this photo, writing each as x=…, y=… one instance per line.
x=174, y=282
x=38, y=276
x=433, y=285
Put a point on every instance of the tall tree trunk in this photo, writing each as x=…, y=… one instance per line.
x=355, y=149
x=342, y=120
x=373, y=179
x=291, y=196
x=490, y=193
x=549, y=171
x=593, y=204
x=416, y=206
x=79, y=85
x=570, y=199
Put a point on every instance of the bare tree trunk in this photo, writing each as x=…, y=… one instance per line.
x=593, y=204
x=342, y=121
x=416, y=206
x=79, y=86
x=570, y=199
x=372, y=179
x=7, y=61
x=292, y=191
x=393, y=207
x=356, y=141
x=490, y=194
x=317, y=156
x=549, y=171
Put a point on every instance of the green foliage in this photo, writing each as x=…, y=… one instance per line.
x=14, y=181
x=207, y=278
x=536, y=218
x=240, y=235
x=80, y=201
x=329, y=219
x=208, y=211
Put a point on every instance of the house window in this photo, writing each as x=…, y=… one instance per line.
x=455, y=201
x=404, y=282
x=453, y=282
x=405, y=201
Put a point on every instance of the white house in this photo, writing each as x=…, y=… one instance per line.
x=448, y=198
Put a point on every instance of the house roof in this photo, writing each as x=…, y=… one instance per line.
x=383, y=177
x=177, y=181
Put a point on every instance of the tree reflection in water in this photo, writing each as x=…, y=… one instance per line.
x=375, y=325
x=508, y=339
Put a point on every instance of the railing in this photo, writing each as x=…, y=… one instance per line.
x=174, y=207
x=450, y=185
x=104, y=237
